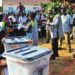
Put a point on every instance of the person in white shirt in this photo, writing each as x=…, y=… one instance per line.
x=42, y=16
x=22, y=21
x=49, y=20
x=22, y=18
x=12, y=17
x=74, y=23
x=66, y=19
x=73, y=16
x=54, y=29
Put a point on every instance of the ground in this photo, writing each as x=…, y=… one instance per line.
x=62, y=53
x=62, y=67
x=65, y=64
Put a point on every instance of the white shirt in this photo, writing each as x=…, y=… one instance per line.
x=22, y=19
x=13, y=18
x=65, y=23
x=54, y=25
x=43, y=17
x=73, y=17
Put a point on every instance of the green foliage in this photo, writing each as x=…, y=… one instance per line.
x=69, y=11
x=50, y=5
x=54, y=0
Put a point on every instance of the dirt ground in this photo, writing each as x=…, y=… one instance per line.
x=62, y=67
x=56, y=67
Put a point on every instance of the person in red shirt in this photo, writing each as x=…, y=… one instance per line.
x=5, y=18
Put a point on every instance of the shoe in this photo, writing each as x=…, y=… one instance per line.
x=73, y=55
x=52, y=58
x=70, y=51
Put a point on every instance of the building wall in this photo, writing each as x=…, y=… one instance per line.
x=6, y=6
x=0, y=4
x=27, y=3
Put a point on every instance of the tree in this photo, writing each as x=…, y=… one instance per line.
x=51, y=4
x=54, y=1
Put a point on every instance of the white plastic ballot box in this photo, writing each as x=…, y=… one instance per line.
x=16, y=42
x=30, y=60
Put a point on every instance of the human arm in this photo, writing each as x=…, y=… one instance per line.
x=55, y=21
x=27, y=26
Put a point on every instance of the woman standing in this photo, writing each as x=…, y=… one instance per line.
x=31, y=27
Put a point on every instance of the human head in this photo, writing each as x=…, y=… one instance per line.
x=52, y=10
x=20, y=3
x=32, y=16
x=55, y=10
x=63, y=11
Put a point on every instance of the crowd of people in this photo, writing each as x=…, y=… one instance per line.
x=26, y=22
x=59, y=23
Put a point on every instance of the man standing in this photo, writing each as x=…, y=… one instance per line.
x=66, y=21
x=54, y=25
x=21, y=8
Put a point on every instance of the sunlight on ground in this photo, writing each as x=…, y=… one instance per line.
x=62, y=53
